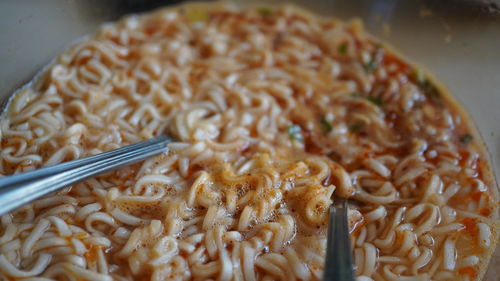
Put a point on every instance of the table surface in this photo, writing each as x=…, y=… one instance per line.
x=456, y=40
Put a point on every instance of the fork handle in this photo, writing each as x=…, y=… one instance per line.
x=338, y=264
x=22, y=188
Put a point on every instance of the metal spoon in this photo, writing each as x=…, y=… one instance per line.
x=22, y=188
x=338, y=263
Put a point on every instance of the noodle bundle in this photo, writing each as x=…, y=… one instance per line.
x=275, y=114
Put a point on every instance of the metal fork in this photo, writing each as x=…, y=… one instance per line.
x=23, y=188
x=338, y=263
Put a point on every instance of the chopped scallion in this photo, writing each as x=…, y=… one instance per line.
x=417, y=75
x=327, y=127
x=342, y=48
x=465, y=139
x=195, y=15
x=427, y=87
x=371, y=65
x=356, y=127
x=375, y=101
x=263, y=11
x=375, y=59
x=295, y=133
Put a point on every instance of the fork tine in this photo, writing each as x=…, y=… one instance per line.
x=338, y=264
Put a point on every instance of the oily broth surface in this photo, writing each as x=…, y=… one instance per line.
x=274, y=112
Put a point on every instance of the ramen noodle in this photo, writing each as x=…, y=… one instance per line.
x=275, y=114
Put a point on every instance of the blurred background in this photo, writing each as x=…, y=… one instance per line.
x=457, y=40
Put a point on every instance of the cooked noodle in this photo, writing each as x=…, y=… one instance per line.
x=275, y=114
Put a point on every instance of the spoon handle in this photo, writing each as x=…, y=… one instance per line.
x=338, y=264
x=22, y=188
